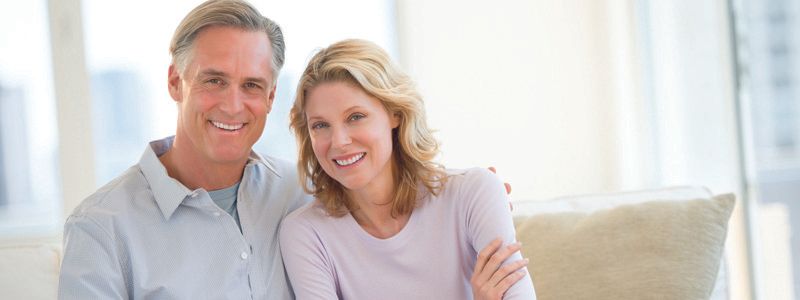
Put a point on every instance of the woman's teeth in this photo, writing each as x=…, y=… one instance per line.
x=350, y=160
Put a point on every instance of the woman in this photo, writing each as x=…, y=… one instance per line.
x=388, y=222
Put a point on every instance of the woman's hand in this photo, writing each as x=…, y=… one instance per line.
x=490, y=280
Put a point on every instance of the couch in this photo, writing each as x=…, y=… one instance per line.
x=29, y=267
x=654, y=244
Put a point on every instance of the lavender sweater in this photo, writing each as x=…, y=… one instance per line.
x=432, y=257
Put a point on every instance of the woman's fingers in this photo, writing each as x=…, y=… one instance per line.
x=491, y=279
x=507, y=275
x=484, y=256
x=507, y=282
x=499, y=257
x=491, y=257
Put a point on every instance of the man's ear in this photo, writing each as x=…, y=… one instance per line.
x=174, y=83
x=271, y=97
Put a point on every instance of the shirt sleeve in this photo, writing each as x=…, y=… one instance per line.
x=489, y=217
x=91, y=267
x=310, y=273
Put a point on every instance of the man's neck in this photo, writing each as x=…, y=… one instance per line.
x=181, y=165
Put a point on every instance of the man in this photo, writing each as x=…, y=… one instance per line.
x=198, y=216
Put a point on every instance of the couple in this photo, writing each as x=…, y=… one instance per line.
x=203, y=216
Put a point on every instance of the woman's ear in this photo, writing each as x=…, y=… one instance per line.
x=396, y=120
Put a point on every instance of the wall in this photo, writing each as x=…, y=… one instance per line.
x=571, y=97
x=521, y=85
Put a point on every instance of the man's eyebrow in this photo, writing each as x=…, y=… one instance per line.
x=256, y=80
x=213, y=72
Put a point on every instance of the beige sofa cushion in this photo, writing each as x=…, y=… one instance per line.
x=650, y=250
x=29, y=271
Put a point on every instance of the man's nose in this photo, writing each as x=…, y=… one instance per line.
x=233, y=102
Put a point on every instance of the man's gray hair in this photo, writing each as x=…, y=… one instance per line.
x=232, y=13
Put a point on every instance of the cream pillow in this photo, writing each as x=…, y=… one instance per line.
x=29, y=271
x=651, y=250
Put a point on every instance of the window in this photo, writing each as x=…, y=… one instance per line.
x=769, y=59
x=29, y=191
x=128, y=58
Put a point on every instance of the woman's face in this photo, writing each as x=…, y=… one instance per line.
x=351, y=134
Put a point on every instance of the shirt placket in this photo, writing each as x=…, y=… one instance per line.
x=246, y=223
x=237, y=240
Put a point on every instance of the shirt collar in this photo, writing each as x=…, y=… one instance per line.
x=169, y=192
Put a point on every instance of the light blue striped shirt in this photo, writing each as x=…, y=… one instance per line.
x=145, y=235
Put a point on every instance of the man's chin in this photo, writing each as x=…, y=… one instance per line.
x=230, y=156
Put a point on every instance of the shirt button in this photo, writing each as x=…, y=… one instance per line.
x=244, y=255
x=216, y=214
x=193, y=195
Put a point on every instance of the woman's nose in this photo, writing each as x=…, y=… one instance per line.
x=341, y=136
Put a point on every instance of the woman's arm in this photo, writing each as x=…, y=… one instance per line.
x=487, y=218
x=490, y=280
x=307, y=266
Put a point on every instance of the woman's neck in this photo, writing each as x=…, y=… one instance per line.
x=378, y=220
x=374, y=202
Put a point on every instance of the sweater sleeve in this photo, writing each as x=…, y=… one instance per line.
x=310, y=273
x=488, y=217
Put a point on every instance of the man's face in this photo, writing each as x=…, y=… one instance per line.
x=223, y=95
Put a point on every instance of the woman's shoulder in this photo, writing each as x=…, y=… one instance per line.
x=463, y=185
x=310, y=214
x=459, y=178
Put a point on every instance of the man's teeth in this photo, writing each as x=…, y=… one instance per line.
x=349, y=161
x=231, y=127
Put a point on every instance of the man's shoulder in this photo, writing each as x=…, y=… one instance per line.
x=283, y=167
x=115, y=196
x=275, y=180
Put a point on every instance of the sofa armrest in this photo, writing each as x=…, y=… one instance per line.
x=30, y=270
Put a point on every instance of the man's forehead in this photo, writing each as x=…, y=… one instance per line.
x=232, y=52
x=218, y=35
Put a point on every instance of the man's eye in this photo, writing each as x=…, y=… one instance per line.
x=251, y=85
x=216, y=81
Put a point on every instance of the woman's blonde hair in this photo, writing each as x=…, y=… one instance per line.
x=367, y=66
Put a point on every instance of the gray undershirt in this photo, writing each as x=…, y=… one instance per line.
x=226, y=200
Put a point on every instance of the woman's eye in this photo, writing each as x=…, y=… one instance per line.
x=319, y=125
x=356, y=117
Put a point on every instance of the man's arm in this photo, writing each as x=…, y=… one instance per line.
x=91, y=267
